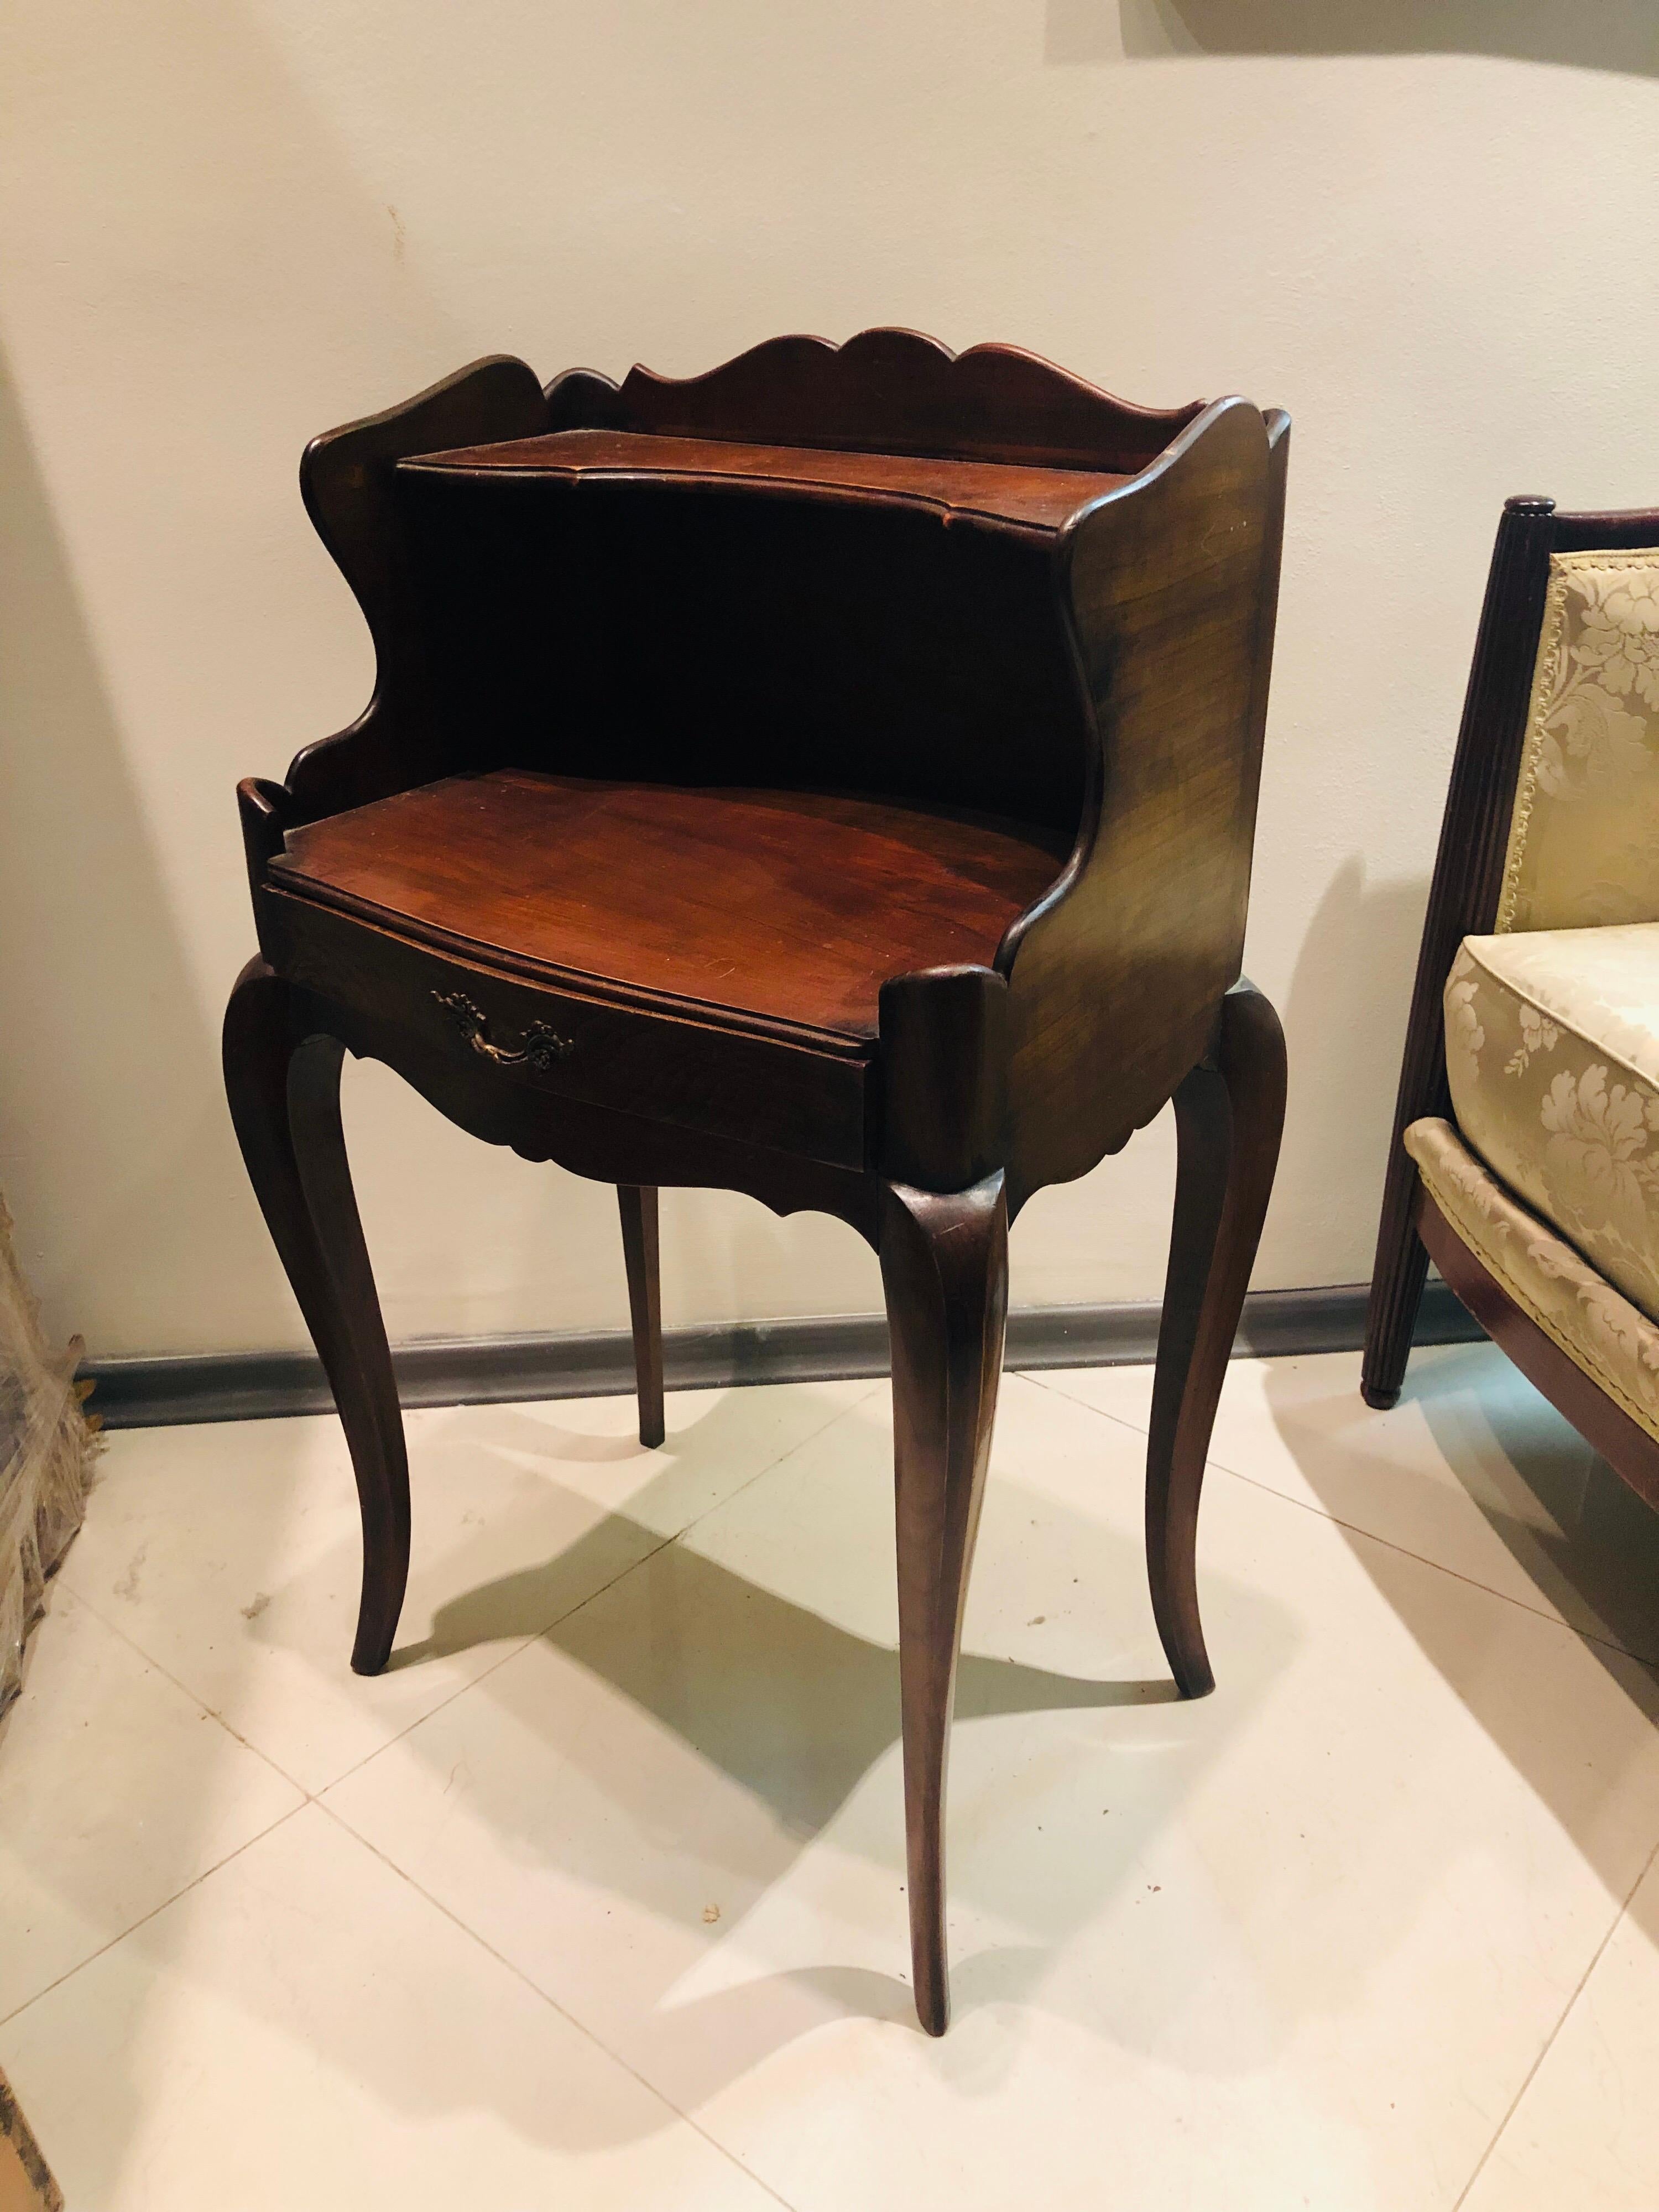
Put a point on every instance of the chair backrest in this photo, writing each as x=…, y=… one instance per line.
x=1584, y=842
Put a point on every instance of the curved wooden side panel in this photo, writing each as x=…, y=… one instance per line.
x=888, y=391
x=346, y=479
x=1115, y=981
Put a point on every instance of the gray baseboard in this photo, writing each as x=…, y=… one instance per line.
x=244, y=1386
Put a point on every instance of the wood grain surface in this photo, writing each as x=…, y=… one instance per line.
x=884, y=391
x=793, y=904
x=1039, y=498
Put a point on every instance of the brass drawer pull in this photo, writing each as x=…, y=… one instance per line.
x=541, y=1048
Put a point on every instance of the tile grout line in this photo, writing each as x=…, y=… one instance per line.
x=184, y=1689
x=74, y=1598
x=144, y=1918
x=1323, y=1513
x=517, y=1645
x=1615, y=1924
x=1439, y=1567
x=552, y=2002
x=570, y=1612
x=310, y=1798
x=1554, y=1620
x=321, y=1799
x=78, y=1597
x=1040, y=1377
x=471, y=1934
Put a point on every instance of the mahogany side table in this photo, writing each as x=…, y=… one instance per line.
x=831, y=778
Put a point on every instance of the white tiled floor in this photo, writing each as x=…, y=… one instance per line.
x=595, y=1899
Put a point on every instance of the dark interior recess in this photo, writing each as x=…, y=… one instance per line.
x=692, y=632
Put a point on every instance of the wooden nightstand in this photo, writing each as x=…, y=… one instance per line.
x=832, y=778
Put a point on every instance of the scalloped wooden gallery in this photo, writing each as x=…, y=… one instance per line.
x=831, y=778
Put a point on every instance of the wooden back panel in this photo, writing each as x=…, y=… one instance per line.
x=707, y=635
x=883, y=392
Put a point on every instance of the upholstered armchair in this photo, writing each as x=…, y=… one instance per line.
x=1525, y=1156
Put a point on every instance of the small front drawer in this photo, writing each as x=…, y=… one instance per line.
x=636, y=1060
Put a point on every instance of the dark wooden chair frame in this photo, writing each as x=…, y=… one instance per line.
x=1118, y=991
x=1463, y=897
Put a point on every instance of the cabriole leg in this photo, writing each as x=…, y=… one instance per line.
x=945, y=1270
x=1230, y=1112
x=638, y=1203
x=284, y=1093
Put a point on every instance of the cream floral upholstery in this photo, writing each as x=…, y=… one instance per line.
x=1584, y=837
x=1552, y=1174
x=1553, y=1056
x=1599, y=1329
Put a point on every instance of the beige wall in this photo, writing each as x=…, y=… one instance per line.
x=226, y=225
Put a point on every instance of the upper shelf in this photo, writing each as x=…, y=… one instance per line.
x=1011, y=493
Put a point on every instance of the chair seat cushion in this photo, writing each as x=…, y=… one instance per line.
x=783, y=907
x=1598, y=1328
x=1553, y=1056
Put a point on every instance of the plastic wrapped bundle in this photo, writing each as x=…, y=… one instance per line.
x=25, y=2184
x=46, y=1448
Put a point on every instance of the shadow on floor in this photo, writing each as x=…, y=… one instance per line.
x=1586, y=1539
x=750, y=1723
x=789, y=1705
x=1587, y=1546
x=1620, y=35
